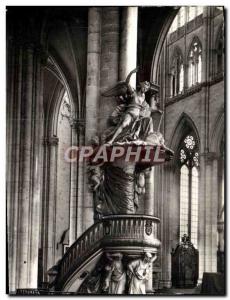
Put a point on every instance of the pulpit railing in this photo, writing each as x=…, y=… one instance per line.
x=138, y=231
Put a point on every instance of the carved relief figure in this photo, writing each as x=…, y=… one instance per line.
x=138, y=273
x=115, y=279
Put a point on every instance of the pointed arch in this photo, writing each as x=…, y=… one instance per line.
x=176, y=72
x=186, y=144
x=177, y=52
x=195, y=39
x=160, y=42
x=56, y=99
x=184, y=125
x=194, y=62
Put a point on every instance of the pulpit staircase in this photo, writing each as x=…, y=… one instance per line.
x=130, y=235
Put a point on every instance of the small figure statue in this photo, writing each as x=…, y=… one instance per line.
x=115, y=279
x=138, y=272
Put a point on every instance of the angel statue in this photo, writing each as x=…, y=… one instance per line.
x=119, y=185
x=132, y=118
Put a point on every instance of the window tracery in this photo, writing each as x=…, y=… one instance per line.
x=195, y=64
x=177, y=74
x=189, y=179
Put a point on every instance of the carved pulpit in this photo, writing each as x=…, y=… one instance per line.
x=115, y=255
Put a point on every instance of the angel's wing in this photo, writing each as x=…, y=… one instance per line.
x=120, y=89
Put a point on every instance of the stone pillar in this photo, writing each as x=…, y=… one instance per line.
x=201, y=219
x=73, y=189
x=211, y=213
x=77, y=180
x=109, y=62
x=208, y=212
x=85, y=205
x=23, y=197
x=49, y=243
x=205, y=183
x=93, y=72
x=128, y=44
x=81, y=178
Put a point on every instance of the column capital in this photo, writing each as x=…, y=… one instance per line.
x=51, y=141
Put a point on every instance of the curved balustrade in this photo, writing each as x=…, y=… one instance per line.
x=123, y=231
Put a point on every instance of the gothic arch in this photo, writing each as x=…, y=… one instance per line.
x=194, y=39
x=69, y=58
x=184, y=125
x=160, y=43
x=217, y=132
x=176, y=52
x=55, y=101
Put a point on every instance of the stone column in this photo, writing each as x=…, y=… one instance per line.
x=211, y=213
x=85, y=205
x=93, y=72
x=49, y=243
x=205, y=182
x=109, y=62
x=208, y=212
x=73, y=188
x=128, y=43
x=201, y=219
x=77, y=180
x=24, y=165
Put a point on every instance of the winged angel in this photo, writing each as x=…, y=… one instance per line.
x=133, y=117
x=118, y=185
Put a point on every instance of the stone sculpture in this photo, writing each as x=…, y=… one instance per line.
x=118, y=185
x=138, y=272
x=115, y=279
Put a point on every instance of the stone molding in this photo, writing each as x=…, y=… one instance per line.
x=194, y=89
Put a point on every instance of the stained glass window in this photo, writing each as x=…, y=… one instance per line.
x=189, y=187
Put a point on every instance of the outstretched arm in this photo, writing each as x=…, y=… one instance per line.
x=130, y=75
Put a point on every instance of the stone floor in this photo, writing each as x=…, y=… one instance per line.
x=178, y=292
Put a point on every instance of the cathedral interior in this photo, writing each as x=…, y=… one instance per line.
x=60, y=61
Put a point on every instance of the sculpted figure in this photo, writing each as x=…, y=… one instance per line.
x=118, y=185
x=115, y=279
x=132, y=118
x=138, y=273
